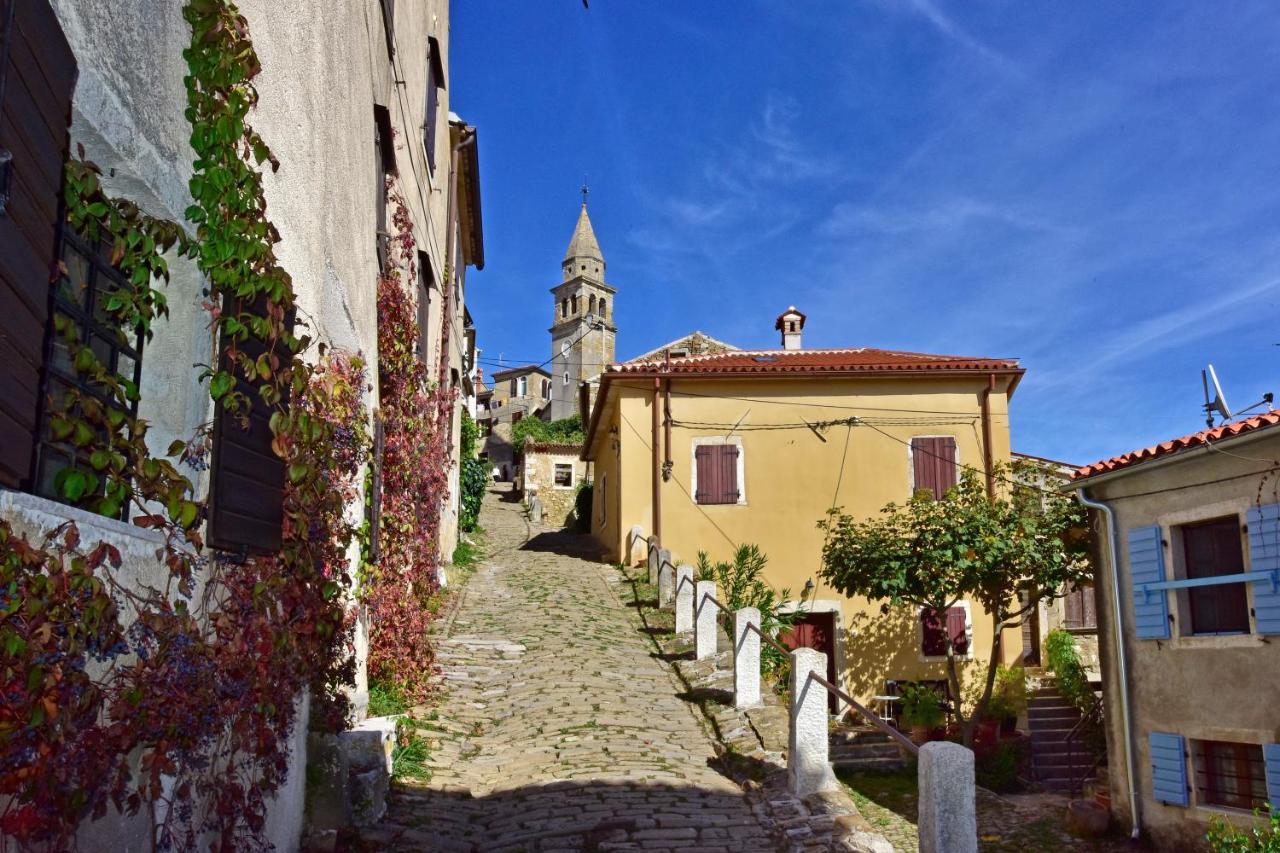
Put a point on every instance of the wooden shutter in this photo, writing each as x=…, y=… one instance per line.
x=958, y=630
x=1168, y=768
x=1146, y=565
x=40, y=76
x=717, y=474
x=933, y=459
x=246, y=493
x=1264, y=556
x=1271, y=766
x=389, y=24
x=1074, y=607
x=706, y=474
x=435, y=82
x=933, y=638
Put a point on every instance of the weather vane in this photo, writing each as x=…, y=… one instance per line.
x=585, y=190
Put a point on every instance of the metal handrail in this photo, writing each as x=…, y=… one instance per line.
x=1094, y=716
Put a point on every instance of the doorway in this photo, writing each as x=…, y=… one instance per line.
x=816, y=631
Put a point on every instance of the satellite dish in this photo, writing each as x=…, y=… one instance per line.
x=1214, y=401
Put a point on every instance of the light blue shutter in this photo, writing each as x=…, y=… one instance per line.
x=1271, y=759
x=1168, y=768
x=1146, y=565
x=1264, y=556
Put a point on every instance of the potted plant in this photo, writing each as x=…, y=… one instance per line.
x=921, y=710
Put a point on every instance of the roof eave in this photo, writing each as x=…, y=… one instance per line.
x=1161, y=461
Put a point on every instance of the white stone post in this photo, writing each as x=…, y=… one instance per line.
x=666, y=578
x=653, y=559
x=684, y=599
x=746, y=658
x=704, y=619
x=636, y=546
x=948, y=822
x=808, y=768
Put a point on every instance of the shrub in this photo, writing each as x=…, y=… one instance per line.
x=582, y=507
x=1009, y=698
x=739, y=584
x=998, y=770
x=921, y=706
x=473, y=476
x=1225, y=838
x=1073, y=684
x=564, y=431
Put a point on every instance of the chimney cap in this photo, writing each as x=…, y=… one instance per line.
x=790, y=312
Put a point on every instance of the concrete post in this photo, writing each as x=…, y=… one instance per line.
x=684, y=599
x=948, y=822
x=808, y=768
x=704, y=620
x=666, y=578
x=746, y=658
x=653, y=559
x=636, y=546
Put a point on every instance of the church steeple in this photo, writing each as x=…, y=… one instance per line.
x=583, y=257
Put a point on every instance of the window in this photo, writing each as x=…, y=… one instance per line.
x=546, y=388
x=524, y=387
x=1230, y=774
x=933, y=464
x=1081, y=608
x=426, y=280
x=591, y=304
x=384, y=164
x=563, y=475
x=486, y=427
x=566, y=378
x=602, y=306
x=564, y=312
x=81, y=296
x=1213, y=548
x=935, y=627
x=435, y=82
x=716, y=469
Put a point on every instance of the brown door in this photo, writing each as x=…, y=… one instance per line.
x=816, y=631
x=1213, y=548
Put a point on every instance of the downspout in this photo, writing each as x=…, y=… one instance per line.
x=1122, y=663
x=656, y=445
x=987, y=457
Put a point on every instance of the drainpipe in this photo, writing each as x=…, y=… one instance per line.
x=1122, y=662
x=656, y=444
x=666, y=430
x=987, y=460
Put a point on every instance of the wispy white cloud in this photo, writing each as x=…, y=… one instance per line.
x=947, y=26
x=948, y=215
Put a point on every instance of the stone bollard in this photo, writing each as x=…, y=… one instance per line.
x=948, y=822
x=653, y=559
x=808, y=768
x=704, y=620
x=684, y=599
x=666, y=579
x=746, y=658
x=637, y=546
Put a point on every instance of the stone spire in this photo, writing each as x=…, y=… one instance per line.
x=583, y=244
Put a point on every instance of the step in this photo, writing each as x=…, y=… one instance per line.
x=868, y=763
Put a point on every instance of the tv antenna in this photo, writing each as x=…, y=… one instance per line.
x=1215, y=402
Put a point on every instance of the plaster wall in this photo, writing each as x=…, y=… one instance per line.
x=324, y=66
x=1200, y=687
x=791, y=478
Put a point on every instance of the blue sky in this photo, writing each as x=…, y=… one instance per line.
x=1092, y=188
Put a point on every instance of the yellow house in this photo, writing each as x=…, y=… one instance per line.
x=712, y=451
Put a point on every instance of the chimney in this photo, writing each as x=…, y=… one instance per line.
x=790, y=323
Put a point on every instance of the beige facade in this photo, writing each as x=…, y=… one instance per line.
x=1188, y=685
x=553, y=473
x=790, y=474
x=517, y=393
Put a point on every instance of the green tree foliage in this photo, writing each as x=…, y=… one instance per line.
x=1259, y=838
x=934, y=553
x=474, y=475
x=564, y=431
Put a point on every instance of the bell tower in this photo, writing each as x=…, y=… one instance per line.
x=582, y=330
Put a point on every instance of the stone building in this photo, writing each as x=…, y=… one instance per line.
x=552, y=474
x=517, y=393
x=1188, y=581
x=350, y=95
x=582, y=331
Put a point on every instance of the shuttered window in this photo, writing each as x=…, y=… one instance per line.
x=1081, y=608
x=717, y=474
x=389, y=24
x=1146, y=565
x=933, y=463
x=40, y=76
x=935, y=627
x=435, y=82
x=246, y=494
x=1212, y=549
x=1168, y=768
x=426, y=280
x=384, y=164
x=1230, y=774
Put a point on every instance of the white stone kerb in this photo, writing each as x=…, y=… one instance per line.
x=684, y=599
x=948, y=822
x=746, y=658
x=666, y=578
x=808, y=767
x=705, y=611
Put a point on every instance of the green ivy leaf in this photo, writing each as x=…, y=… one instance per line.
x=220, y=383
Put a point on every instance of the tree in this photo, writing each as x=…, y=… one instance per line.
x=934, y=553
x=564, y=431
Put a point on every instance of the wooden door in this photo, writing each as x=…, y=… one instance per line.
x=816, y=631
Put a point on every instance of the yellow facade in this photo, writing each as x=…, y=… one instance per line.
x=790, y=476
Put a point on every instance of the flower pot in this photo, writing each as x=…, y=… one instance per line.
x=919, y=735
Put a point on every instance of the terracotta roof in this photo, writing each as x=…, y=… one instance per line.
x=808, y=361
x=1197, y=439
x=553, y=447
x=528, y=368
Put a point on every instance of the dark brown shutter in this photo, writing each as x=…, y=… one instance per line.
x=706, y=474
x=246, y=494
x=1073, y=604
x=934, y=462
x=729, y=473
x=435, y=82
x=717, y=474
x=933, y=639
x=40, y=76
x=957, y=630
x=389, y=24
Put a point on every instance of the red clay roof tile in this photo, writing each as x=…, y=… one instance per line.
x=811, y=361
x=1198, y=439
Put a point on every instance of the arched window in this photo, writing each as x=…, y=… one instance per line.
x=591, y=305
x=603, y=312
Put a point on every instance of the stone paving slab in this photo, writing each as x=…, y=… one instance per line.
x=557, y=729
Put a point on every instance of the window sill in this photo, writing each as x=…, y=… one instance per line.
x=1218, y=641
x=42, y=514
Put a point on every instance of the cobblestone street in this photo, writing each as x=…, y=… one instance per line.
x=557, y=728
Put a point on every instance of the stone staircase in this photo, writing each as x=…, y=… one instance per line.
x=864, y=748
x=1051, y=717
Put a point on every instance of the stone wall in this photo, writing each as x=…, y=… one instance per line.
x=541, y=464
